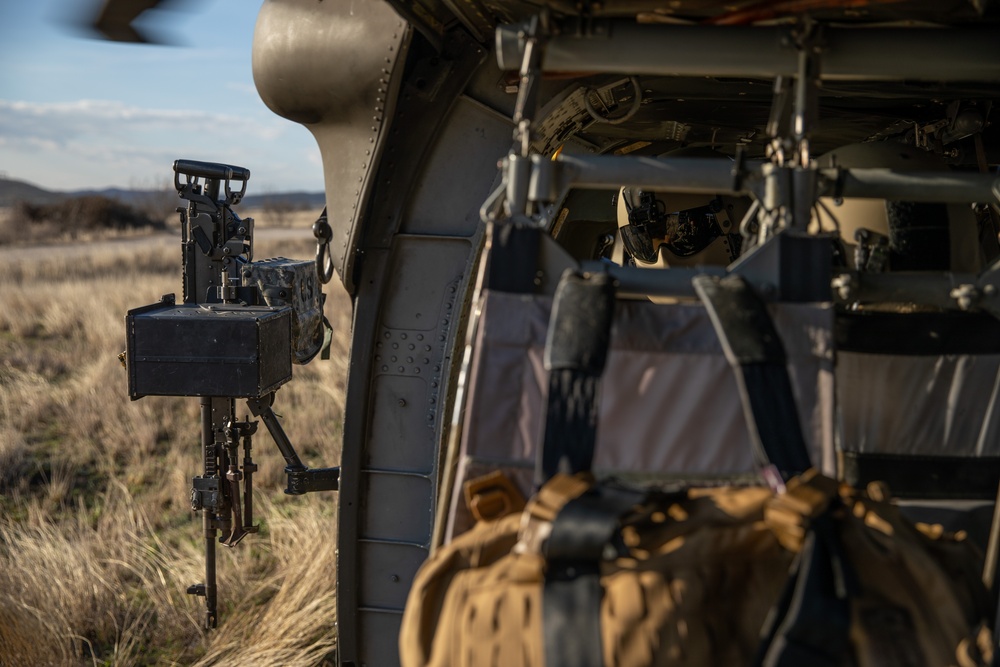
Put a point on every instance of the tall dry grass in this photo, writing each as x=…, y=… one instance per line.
x=97, y=540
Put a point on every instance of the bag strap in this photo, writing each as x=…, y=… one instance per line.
x=810, y=622
x=572, y=591
x=576, y=350
x=513, y=259
x=754, y=350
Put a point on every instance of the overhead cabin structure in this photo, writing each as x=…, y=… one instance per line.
x=474, y=151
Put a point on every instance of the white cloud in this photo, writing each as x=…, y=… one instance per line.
x=62, y=120
x=96, y=143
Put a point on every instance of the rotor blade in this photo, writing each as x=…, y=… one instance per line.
x=116, y=19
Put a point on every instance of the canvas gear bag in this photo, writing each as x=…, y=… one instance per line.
x=692, y=577
x=807, y=572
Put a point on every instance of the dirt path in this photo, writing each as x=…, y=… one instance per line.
x=159, y=240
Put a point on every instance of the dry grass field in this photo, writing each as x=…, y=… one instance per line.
x=97, y=540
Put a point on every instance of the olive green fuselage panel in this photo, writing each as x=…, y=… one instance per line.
x=410, y=137
x=329, y=65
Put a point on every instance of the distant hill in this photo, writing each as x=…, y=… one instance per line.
x=295, y=200
x=13, y=191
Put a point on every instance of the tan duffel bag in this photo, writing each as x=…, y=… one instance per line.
x=716, y=576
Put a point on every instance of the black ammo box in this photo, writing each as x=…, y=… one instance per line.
x=207, y=350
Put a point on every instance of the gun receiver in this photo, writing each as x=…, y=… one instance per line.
x=235, y=336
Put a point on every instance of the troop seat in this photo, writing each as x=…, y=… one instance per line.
x=917, y=396
x=904, y=397
x=669, y=407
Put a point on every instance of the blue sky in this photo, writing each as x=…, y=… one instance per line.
x=77, y=112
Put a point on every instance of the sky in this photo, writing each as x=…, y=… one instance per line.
x=78, y=112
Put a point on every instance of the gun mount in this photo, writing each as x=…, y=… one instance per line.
x=240, y=327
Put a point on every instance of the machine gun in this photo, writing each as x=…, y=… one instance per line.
x=240, y=327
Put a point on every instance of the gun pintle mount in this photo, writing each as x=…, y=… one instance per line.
x=241, y=326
